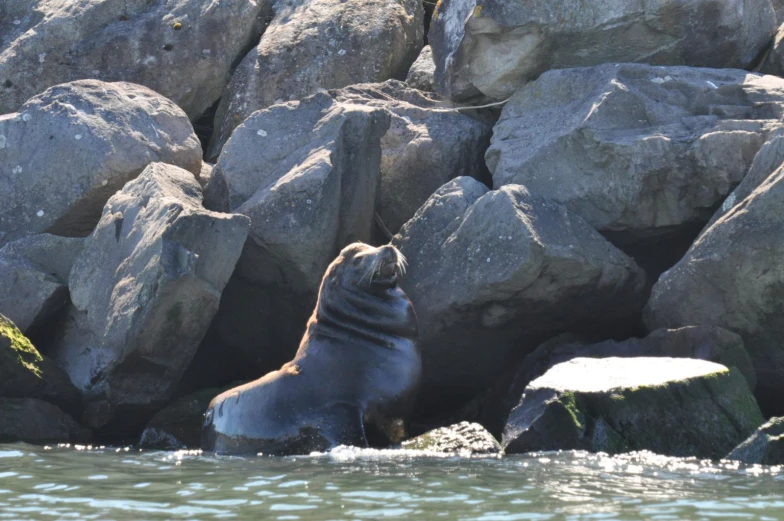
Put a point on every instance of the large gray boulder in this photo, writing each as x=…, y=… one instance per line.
x=421, y=75
x=34, y=277
x=144, y=290
x=491, y=48
x=320, y=44
x=493, y=273
x=183, y=49
x=427, y=145
x=71, y=148
x=732, y=278
x=36, y=421
x=675, y=407
x=24, y=373
x=635, y=149
x=463, y=439
x=711, y=343
x=764, y=447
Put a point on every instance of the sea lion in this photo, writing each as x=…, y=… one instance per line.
x=358, y=366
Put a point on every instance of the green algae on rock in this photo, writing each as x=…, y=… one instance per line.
x=675, y=407
x=18, y=356
x=764, y=447
x=463, y=438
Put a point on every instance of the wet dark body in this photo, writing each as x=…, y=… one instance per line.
x=356, y=373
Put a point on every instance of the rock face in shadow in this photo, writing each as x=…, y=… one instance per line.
x=494, y=273
x=34, y=277
x=72, y=147
x=421, y=75
x=464, y=439
x=183, y=49
x=636, y=150
x=36, y=421
x=675, y=407
x=144, y=290
x=492, y=48
x=731, y=277
x=320, y=44
x=764, y=447
x=307, y=174
x=426, y=146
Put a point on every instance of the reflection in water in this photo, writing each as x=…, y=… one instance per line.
x=123, y=484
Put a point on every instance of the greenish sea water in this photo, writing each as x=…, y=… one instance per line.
x=51, y=483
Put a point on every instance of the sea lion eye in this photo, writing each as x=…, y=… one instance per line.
x=356, y=261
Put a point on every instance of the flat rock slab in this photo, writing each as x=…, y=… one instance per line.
x=464, y=439
x=34, y=277
x=764, y=447
x=183, y=49
x=320, y=44
x=493, y=272
x=636, y=150
x=69, y=149
x=144, y=290
x=731, y=277
x=491, y=48
x=671, y=406
x=36, y=421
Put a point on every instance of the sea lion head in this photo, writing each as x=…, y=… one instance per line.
x=367, y=268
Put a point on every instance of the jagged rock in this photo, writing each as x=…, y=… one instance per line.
x=24, y=373
x=34, y=277
x=71, y=148
x=315, y=193
x=422, y=71
x=144, y=290
x=183, y=49
x=36, y=421
x=676, y=407
x=320, y=44
x=711, y=343
x=732, y=277
x=493, y=47
x=634, y=149
x=178, y=426
x=492, y=274
x=463, y=438
x=426, y=146
x=764, y=447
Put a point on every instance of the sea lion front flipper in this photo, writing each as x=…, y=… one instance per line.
x=344, y=425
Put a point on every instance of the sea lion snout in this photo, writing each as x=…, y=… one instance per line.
x=392, y=263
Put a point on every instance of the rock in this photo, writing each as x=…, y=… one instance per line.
x=206, y=174
x=34, y=276
x=422, y=71
x=731, y=278
x=426, y=146
x=714, y=344
x=183, y=49
x=320, y=44
x=492, y=274
x=144, y=290
x=465, y=439
x=635, y=150
x=492, y=49
x=178, y=426
x=24, y=373
x=764, y=447
x=675, y=407
x=778, y=7
x=774, y=60
x=36, y=421
x=71, y=148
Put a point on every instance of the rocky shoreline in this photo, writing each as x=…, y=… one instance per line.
x=592, y=229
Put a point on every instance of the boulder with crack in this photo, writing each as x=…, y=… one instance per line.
x=675, y=407
x=72, y=147
x=491, y=48
x=183, y=49
x=636, y=150
x=493, y=273
x=144, y=290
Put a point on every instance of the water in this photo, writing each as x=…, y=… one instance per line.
x=110, y=484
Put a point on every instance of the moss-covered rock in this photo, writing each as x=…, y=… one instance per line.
x=36, y=421
x=677, y=407
x=765, y=446
x=463, y=438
